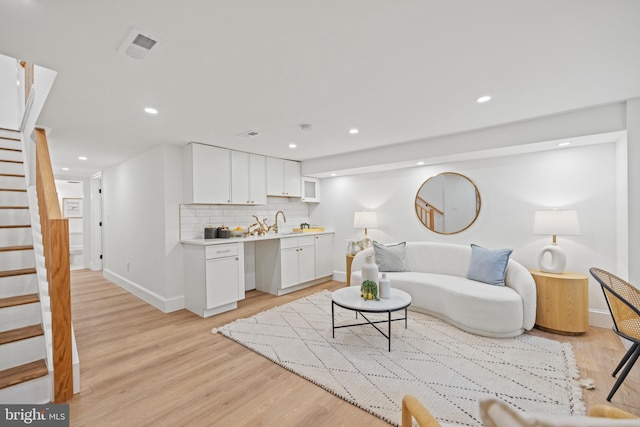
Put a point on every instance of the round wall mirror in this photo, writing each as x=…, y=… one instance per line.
x=447, y=203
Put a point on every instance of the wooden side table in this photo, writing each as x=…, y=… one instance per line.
x=563, y=302
x=349, y=261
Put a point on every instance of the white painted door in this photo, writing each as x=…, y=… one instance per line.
x=211, y=174
x=240, y=194
x=222, y=281
x=258, y=179
x=292, y=179
x=323, y=252
x=289, y=267
x=306, y=264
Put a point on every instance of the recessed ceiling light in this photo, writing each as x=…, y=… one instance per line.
x=65, y=169
x=353, y=131
x=82, y=158
x=292, y=145
x=334, y=174
x=150, y=110
x=564, y=144
x=420, y=163
x=18, y=82
x=483, y=99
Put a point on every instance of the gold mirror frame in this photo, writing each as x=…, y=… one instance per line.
x=453, y=196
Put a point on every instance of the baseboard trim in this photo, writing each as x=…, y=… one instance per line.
x=166, y=305
x=600, y=318
x=340, y=276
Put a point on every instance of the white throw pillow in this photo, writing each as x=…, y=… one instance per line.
x=496, y=413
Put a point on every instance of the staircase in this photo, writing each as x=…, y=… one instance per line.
x=24, y=375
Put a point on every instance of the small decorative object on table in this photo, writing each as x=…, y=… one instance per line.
x=369, y=290
x=385, y=287
x=370, y=270
x=304, y=225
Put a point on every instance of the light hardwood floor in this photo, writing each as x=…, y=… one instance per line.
x=140, y=366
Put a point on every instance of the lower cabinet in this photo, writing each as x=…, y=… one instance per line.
x=213, y=278
x=291, y=263
x=297, y=260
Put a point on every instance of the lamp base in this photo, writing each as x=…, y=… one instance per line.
x=558, y=260
x=367, y=242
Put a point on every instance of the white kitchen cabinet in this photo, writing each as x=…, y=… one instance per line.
x=213, y=277
x=207, y=172
x=290, y=263
x=248, y=178
x=310, y=189
x=297, y=260
x=283, y=177
x=323, y=255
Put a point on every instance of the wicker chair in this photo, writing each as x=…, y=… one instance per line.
x=623, y=300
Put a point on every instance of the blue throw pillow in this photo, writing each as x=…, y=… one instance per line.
x=488, y=266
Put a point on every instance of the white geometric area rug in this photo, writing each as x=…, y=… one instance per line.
x=446, y=368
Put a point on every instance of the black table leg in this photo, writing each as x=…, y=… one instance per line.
x=333, y=322
x=389, y=331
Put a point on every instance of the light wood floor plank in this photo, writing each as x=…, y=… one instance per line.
x=141, y=367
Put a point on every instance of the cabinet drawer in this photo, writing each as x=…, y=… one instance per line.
x=220, y=251
x=288, y=242
x=306, y=241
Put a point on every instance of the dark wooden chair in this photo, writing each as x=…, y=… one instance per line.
x=623, y=300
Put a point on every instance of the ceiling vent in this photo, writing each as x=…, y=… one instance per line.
x=248, y=134
x=137, y=44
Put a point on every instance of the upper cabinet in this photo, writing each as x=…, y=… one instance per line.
x=283, y=178
x=207, y=174
x=215, y=175
x=248, y=178
x=310, y=189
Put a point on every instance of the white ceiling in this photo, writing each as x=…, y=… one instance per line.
x=399, y=70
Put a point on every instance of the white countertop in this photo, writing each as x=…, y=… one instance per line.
x=270, y=236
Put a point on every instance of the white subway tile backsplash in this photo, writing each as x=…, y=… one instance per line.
x=193, y=218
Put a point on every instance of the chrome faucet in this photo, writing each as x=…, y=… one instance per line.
x=275, y=228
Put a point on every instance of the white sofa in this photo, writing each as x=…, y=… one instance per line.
x=438, y=286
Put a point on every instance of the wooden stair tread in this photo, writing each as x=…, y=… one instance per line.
x=11, y=149
x=10, y=139
x=20, y=272
x=15, y=226
x=14, y=207
x=18, y=300
x=23, y=373
x=19, y=190
x=10, y=161
x=16, y=248
x=23, y=333
x=15, y=175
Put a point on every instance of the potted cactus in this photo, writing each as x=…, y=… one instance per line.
x=369, y=290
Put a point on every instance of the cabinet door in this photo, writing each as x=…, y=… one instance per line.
x=323, y=252
x=240, y=178
x=258, y=179
x=289, y=267
x=292, y=179
x=210, y=174
x=306, y=264
x=310, y=190
x=275, y=174
x=222, y=281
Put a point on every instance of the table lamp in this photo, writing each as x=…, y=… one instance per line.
x=365, y=219
x=555, y=222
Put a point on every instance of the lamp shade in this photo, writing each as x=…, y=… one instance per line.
x=556, y=222
x=365, y=219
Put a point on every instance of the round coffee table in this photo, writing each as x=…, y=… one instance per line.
x=350, y=299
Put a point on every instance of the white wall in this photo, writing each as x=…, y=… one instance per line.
x=8, y=93
x=511, y=189
x=141, y=245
